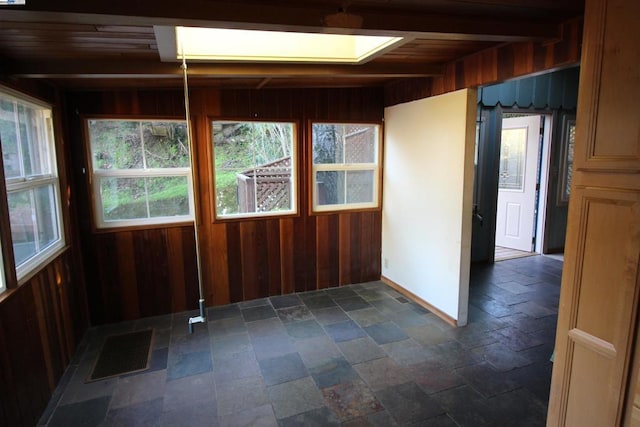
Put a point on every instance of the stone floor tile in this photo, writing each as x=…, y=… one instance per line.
x=235, y=366
x=88, y=413
x=241, y=395
x=139, y=388
x=294, y=314
x=407, y=403
x=385, y=333
x=192, y=415
x=352, y=303
x=465, y=406
x=344, y=331
x=260, y=312
x=282, y=369
x=333, y=371
x=317, y=350
x=341, y=292
x=330, y=315
x=320, y=301
x=228, y=326
x=486, y=380
x=500, y=357
x=304, y=330
x=361, y=350
x=295, y=397
x=266, y=327
x=272, y=346
x=283, y=301
x=433, y=377
x=351, y=400
x=382, y=373
x=321, y=417
x=184, y=365
x=142, y=414
x=368, y=317
x=223, y=312
x=189, y=391
x=261, y=416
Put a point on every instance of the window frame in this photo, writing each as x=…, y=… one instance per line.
x=295, y=167
x=94, y=177
x=33, y=182
x=568, y=121
x=376, y=167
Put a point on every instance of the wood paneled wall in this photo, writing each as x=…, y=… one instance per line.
x=40, y=328
x=495, y=65
x=42, y=320
x=138, y=273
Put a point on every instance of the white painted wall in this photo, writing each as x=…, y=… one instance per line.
x=427, y=199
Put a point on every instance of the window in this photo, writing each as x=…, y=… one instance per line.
x=568, y=142
x=33, y=192
x=3, y=284
x=141, y=172
x=513, y=150
x=345, y=166
x=254, y=170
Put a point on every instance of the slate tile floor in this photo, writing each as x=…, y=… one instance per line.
x=361, y=355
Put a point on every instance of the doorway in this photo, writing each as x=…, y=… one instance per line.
x=522, y=176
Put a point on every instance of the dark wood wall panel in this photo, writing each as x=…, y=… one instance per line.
x=494, y=65
x=138, y=273
x=43, y=319
x=38, y=335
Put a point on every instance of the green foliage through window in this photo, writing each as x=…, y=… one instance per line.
x=141, y=170
x=253, y=168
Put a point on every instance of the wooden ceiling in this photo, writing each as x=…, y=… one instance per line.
x=89, y=43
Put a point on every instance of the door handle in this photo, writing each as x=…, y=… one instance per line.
x=477, y=215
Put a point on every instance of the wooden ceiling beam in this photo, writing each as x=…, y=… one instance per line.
x=129, y=69
x=275, y=15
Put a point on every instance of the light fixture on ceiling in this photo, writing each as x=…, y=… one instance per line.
x=199, y=44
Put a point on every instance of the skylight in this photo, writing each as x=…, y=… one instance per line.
x=216, y=44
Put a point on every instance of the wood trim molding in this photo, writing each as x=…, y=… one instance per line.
x=442, y=315
x=593, y=343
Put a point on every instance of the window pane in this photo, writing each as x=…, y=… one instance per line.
x=9, y=139
x=166, y=144
x=22, y=215
x=143, y=198
x=115, y=144
x=360, y=186
x=512, y=158
x=33, y=200
x=328, y=144
x=344, y=143
x=253, y=167
x=330, y=187
x=168, y=196
x=123, y=198
x=570, y=142
x=33, y=141
x=46, y=215
x=3, y=284
x=360, y=143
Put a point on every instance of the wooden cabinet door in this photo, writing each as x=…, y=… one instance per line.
x=598, y=315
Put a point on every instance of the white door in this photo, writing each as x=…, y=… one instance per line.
x=517, y=182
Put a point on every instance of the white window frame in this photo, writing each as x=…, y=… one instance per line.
x=347, y=167
x=32, y=182
x=96, y=175
x=3, y=279
x=293, y=178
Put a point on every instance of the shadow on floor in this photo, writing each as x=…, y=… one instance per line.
x=359, y=355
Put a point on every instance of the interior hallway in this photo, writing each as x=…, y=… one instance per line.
x=358, y=355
